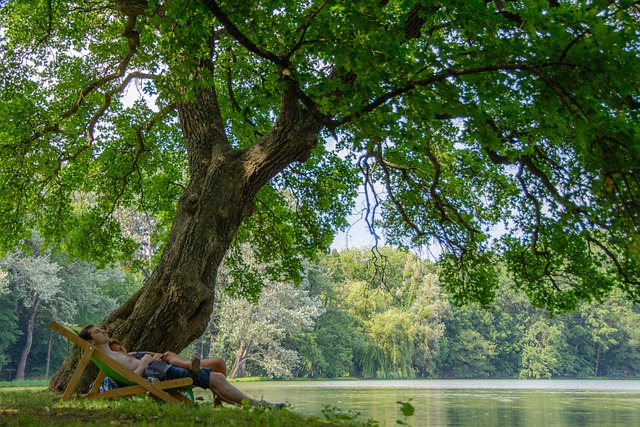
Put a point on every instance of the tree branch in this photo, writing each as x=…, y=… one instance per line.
x=430, y=80
x=527, y=161
x=134, y=42
x=537, y=212
x=304, y=27
x=140, y=149
x=234, y=102
x=235, y=32
x=571, y=44
x=370, y=208
x=107, y=100
x=440, y=203
x=614, y=259
x=416, y=18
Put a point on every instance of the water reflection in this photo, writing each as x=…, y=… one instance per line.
x=481, y=403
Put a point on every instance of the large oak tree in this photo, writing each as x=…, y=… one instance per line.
x=257, y=120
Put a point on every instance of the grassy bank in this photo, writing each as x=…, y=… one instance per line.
x=24, y=383
x=257, y=379
x=35, y=406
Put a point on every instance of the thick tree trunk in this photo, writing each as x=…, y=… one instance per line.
x=22, y=364
x=174, y=306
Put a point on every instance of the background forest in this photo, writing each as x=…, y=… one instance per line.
x=356, y=313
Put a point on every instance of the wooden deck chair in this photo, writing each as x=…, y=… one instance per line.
x=131, y=383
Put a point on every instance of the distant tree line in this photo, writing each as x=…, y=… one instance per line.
x=37, y=287
x=386, y=316
x=356, y=313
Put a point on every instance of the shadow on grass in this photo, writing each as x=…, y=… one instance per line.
x=35, y=406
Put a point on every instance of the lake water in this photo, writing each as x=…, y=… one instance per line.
x=449, y=403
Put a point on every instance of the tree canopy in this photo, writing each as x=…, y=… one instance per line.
x=233, y=121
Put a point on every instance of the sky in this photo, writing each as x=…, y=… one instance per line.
x=357, y=235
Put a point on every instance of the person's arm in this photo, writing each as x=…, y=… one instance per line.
x=173, y=359
x=133, y=353
x=144, y=363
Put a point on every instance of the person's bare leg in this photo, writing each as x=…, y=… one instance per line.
x=216, y=399
x=216, y=365
x=226, y=392
x=173, y=359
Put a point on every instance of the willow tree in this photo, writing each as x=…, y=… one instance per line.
x=236, y=121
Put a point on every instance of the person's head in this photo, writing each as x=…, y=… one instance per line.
x=94, y=334
x=116, y=345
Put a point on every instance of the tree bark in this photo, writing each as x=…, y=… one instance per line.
x=175, y=304
x=22, y=364
x=240, y=363
x=49, y=347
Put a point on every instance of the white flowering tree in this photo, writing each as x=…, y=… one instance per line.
x=36, y=283
x=257, y=331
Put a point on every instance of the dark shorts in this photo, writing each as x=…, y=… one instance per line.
x=202, y=381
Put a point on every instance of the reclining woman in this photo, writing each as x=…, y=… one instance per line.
x=216, y=364
x=208, y=379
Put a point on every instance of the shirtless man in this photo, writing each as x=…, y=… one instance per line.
x=214, y=381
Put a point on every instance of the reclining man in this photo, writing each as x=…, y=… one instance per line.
x=194, y=365
x=214, y=381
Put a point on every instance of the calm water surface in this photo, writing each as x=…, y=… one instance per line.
x=448, y=403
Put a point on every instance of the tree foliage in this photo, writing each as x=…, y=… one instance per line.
x=396, y=309
x=10, y=331
x=214, y=116
x=39, y=287
x=542, y=351
x=257, y=331
x=407, y=327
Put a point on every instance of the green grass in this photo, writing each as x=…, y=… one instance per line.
x=35, y=406
x=254, y=379
x=25, y=383
x=249, y=379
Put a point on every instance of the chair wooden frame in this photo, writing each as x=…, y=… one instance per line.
x=133, y=383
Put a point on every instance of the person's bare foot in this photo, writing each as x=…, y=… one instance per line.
x=195, y=366
x=268, y=405
x=217, y=401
